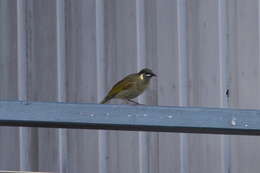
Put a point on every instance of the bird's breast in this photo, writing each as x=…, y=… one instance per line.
x=142, y=85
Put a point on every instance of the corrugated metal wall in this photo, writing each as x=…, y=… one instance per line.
x=75, y=50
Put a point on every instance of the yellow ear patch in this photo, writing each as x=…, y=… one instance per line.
x=142, y=76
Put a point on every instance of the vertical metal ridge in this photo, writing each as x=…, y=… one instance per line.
x=183, y=76
x=22, y=77
x=223, y=65
x=100, y=48
x=61, y=80
x=222, y=43
x=259, y=35
x=182, y=52
x=21, y=51
x=61, y=63
x=28, y=157
x=143, y=152
x=140, y=34
x=140, y=42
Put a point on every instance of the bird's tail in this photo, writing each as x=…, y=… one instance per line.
x=105, y=100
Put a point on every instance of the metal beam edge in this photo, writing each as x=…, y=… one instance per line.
x=129, y=117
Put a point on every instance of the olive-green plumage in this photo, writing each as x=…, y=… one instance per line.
x=131, y=86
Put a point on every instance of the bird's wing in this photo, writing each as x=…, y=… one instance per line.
x=122, y=85
x=126, y=83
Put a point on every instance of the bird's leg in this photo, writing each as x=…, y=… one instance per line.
x=125, y=101
x=133, y=101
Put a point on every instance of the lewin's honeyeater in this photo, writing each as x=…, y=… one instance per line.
x=131, y=86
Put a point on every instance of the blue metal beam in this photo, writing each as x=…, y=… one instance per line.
x=133, y=118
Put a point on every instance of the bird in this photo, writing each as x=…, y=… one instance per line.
x=131, y=86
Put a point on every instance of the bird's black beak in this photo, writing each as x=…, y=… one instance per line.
x=154, y=75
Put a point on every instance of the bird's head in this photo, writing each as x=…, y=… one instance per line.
x=146, y=73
